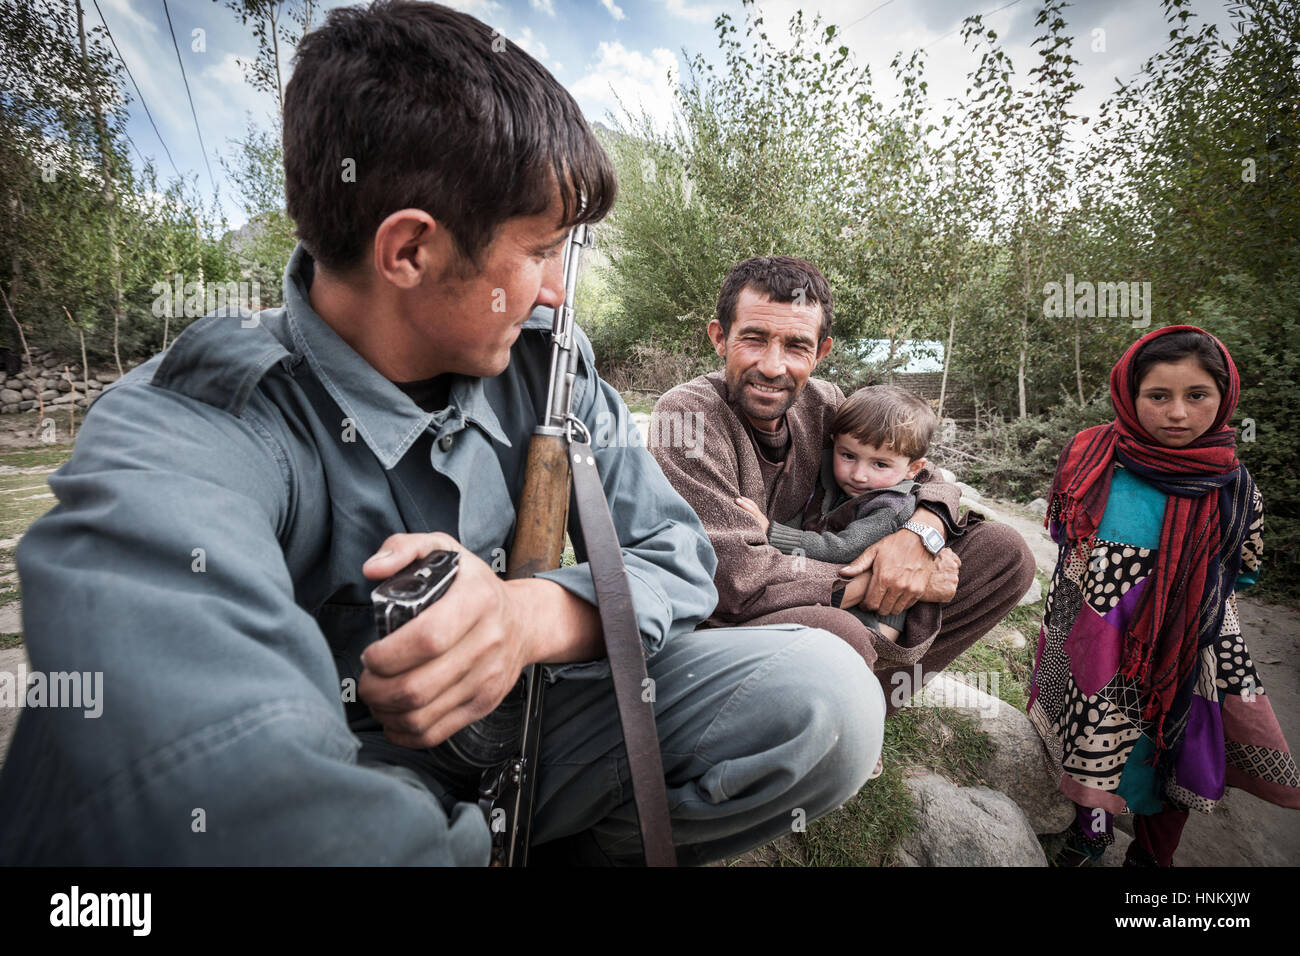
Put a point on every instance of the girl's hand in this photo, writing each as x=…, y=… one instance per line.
x=755, y=511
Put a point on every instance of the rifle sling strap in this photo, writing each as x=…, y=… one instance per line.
x=626, y=657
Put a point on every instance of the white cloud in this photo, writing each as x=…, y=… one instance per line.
x=546, y=6
x=614, y=9
x=477, y=8
x=701, y=14
x=630, y=77
x=530, y=44
x=143, y=47
x=221, y=93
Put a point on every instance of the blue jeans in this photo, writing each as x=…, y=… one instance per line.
x=761, y=728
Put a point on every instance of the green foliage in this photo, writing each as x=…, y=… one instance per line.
x=256, y=167
x=766, y=157
x=1259, y=322
x=1017, y=459
x=87, y=236
x=949, y=222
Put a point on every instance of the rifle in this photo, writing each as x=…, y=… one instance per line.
x=538, y=546
x=506, y=744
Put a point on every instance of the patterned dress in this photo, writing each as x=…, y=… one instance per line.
x=1096, y=742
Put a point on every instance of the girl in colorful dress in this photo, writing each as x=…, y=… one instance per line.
x=1144, y=692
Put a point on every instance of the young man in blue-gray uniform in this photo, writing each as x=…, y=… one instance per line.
x=232, y=502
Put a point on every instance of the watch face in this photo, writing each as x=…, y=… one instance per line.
x=932, y=539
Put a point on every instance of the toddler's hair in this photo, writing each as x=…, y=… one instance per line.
x=1177, y=346
x=888, y=417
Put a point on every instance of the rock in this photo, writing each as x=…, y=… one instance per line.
x=8, y=408
x=968, y=492
x=1005, y=634
x=1038, y=506
x=27, y=405
x=10, y=396
x=64, y=385
x=1018, y=768
x=106, y=377
x=1033, y=595
x=49, y=395
x=29, y=394
x=967, y=826
x=948, y=476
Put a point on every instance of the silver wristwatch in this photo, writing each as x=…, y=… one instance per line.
x=932, y=539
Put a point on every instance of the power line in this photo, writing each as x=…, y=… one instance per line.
x=193, y=113
x=869, y=13
x=958, y=26
x=143, y=162
x=137, y=93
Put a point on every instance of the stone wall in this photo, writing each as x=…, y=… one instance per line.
x=959, y=403
x=46, y=380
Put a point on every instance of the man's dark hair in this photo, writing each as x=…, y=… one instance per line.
x=781, y=279
x=438, y=113
x=1175, y=347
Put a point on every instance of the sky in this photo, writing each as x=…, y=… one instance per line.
x=603, y=51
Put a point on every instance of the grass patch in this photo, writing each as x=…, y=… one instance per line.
x=10, y=640
x=865, y=830
x=53, y=455
x=17, y=516
x=1014, y=665
x=20, y=503
x=1000, y=659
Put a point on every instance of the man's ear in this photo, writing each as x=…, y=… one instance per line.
x=824, y=349
x=718, y=338
x=410, y=247
x=915, y=467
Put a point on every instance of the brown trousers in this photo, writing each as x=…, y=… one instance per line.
x=996, y=570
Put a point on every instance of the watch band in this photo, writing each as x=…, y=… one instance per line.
x=933, y=541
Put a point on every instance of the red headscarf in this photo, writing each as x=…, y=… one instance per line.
x=1200, y=540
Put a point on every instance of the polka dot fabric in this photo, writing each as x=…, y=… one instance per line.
x=1090, y=717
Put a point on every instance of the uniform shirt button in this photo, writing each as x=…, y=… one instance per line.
x=445, y=442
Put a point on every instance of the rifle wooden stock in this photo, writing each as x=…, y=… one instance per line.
x=538, y=546
x=543, y=508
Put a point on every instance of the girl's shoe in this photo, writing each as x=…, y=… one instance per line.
x=1138, y=855
x=1073, y=848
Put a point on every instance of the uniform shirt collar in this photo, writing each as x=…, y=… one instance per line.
x=386, y=418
